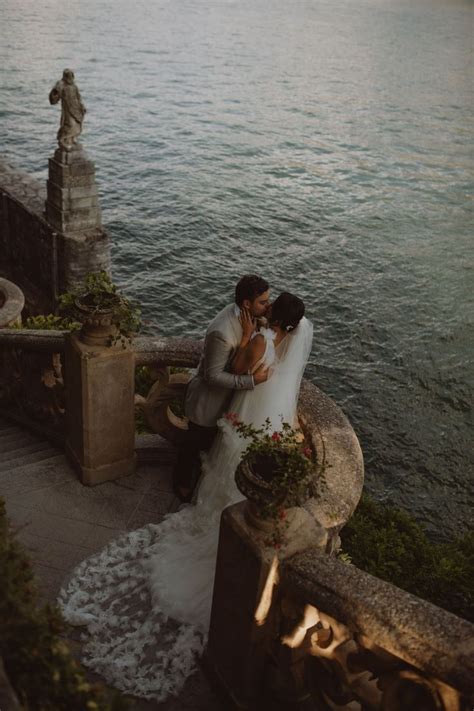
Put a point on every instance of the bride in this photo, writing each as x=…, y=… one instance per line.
x=146, y=598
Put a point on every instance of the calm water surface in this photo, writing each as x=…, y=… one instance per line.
x=326, y=145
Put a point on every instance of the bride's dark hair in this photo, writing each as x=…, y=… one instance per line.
x=287, y=311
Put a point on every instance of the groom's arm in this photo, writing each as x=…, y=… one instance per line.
x=216, y=357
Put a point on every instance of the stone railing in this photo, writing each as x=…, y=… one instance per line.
x=32, y=388
x=296, y=628
x=348, y=640
x=31, y=380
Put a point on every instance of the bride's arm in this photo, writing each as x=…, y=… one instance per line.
x=247, y=355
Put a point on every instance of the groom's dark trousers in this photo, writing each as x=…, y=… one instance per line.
x=187, y=469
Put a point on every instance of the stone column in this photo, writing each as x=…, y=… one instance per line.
x=72, y=208
x=243, y=619
x=100, y=439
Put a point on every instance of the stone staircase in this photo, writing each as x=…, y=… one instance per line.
x=19, y=448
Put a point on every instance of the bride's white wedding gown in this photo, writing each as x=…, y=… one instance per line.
x=146, y=598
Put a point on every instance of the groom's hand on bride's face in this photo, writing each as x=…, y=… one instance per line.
x=247, y=322
x=261, y=375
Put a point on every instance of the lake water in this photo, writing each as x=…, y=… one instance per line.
x=326, y=145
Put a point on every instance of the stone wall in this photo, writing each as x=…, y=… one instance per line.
x=42, y=261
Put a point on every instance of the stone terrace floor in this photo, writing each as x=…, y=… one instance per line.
x=60, y=522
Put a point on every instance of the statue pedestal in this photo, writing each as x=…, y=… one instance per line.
x=72, y=204
x=72, y=208
x=100, y=410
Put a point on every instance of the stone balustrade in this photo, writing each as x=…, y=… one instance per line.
x=349, y=640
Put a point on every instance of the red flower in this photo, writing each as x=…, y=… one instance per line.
x=276, y=436
x=307, y=452
x=282, y=514
x=277, y=546
x=232, y=418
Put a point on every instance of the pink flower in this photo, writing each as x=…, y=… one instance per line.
x=307, y=452
x=276, y=437
x=232, y=418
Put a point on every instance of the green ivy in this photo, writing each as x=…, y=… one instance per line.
x=143, y=380
x=391, y=545
x=98, y=292
x=49, y=322
x=37, y=661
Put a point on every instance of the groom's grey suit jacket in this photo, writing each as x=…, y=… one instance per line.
x=211, y=389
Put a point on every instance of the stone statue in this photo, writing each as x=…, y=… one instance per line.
x=72, y=109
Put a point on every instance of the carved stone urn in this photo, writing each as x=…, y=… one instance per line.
x=253, y=477
x=98, y=328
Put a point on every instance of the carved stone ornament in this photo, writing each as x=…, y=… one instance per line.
x=164, y=405
x=322, y=660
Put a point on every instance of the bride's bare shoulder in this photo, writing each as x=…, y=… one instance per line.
x=256, y=347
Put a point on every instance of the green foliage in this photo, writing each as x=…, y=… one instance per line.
x=50, y=322
x=391, y=545
x=141, y=425
x=38, y=663
x=99, y=294
x=143, y=380
x=282, y=460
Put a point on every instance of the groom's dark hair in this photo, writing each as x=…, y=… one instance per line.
x=249, y=287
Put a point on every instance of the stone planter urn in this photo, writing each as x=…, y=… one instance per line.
x=97, y=322
x=253, y=478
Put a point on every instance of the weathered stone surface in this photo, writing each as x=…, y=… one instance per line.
x=36, y=254
x=72, y=208
x=100, y=413
x=82, y=253
x=73, y=219
x=339, y=454
x=12, y=302
x=37, y=340
x=247, y=575
x=431, y=639
x=58, y=195
x=181, y=352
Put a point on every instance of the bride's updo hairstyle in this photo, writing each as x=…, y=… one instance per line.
x=287, y=311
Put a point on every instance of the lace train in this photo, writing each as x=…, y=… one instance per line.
x=146, y=598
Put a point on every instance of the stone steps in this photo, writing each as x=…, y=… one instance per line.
x=13, y=439
x=46, y=455
x=19, y=448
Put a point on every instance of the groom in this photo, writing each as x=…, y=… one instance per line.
x=211, y=389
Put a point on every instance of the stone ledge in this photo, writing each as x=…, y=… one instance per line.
x=339, y=454
x=417, y=631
